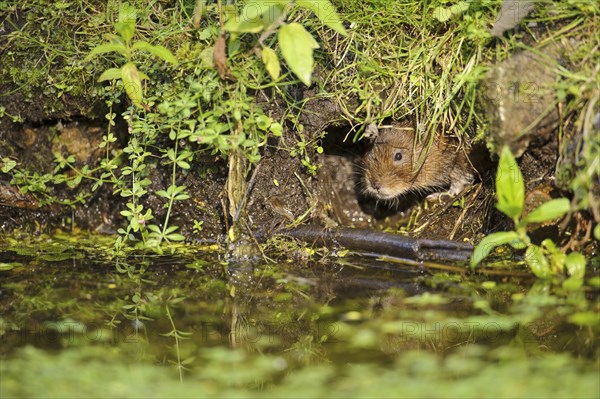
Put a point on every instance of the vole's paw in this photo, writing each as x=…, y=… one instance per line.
x=440, y=197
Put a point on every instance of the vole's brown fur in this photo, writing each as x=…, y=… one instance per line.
x=391, y=164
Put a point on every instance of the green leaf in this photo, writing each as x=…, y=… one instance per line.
x=171, y=229
x=297, y=47
x=575, y=263
x=110, y=74
x=556, y=257
x=107, y=48
x=264, y=11
x=443, y=14
x=183, y=165
x=132, y=83
x=490, y=242
x=276, y=129
x=274, y=13
x=326, y=13
x=159, y=51
x=572, y=283
x=75, y=181
x=271, y=61
x=9, y=266
x=537, y=262
x=548, y=211
x=116, y=39
x=154, y=228
x=510, y=187
x=126, y=25
x=175, y=237
x=263, y=122
x=249, y=21
x=7, y=165
x=520, y=244
x=244, y=26
x=589, y=318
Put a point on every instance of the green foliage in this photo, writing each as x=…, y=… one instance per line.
x=176, y=120
x=510, y=186
x=491, y=241
x=121, y=44
x=395, y=72
x=444, y=14
x=295, y=42
x=303, y=147
x=41, y=185
x=545, y=261
x=7, y=164
x=297, y=47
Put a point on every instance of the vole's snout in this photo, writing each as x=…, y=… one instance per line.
x=375, y=185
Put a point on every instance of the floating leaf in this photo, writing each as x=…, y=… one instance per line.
x=297, y=47
x=510, y=187
x=271, y=61
x=548, y=211
x=490, y=242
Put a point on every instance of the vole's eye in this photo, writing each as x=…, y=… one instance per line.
x=398, y=156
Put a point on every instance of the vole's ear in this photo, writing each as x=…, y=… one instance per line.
x=371, y=132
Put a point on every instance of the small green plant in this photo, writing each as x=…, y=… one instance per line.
x=122, y=44
x=544, y=260
x=198, y=226
x=41, y=185
x=295, y=42
x=302, y=149
x=7, y=164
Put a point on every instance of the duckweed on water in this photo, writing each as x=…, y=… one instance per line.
x=473, y=372
x=185, y=325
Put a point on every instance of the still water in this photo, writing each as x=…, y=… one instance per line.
x=77, y=323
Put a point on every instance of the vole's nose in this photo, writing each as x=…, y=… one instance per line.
x=375, y=184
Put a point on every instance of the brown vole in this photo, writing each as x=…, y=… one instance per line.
x=391, y=164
